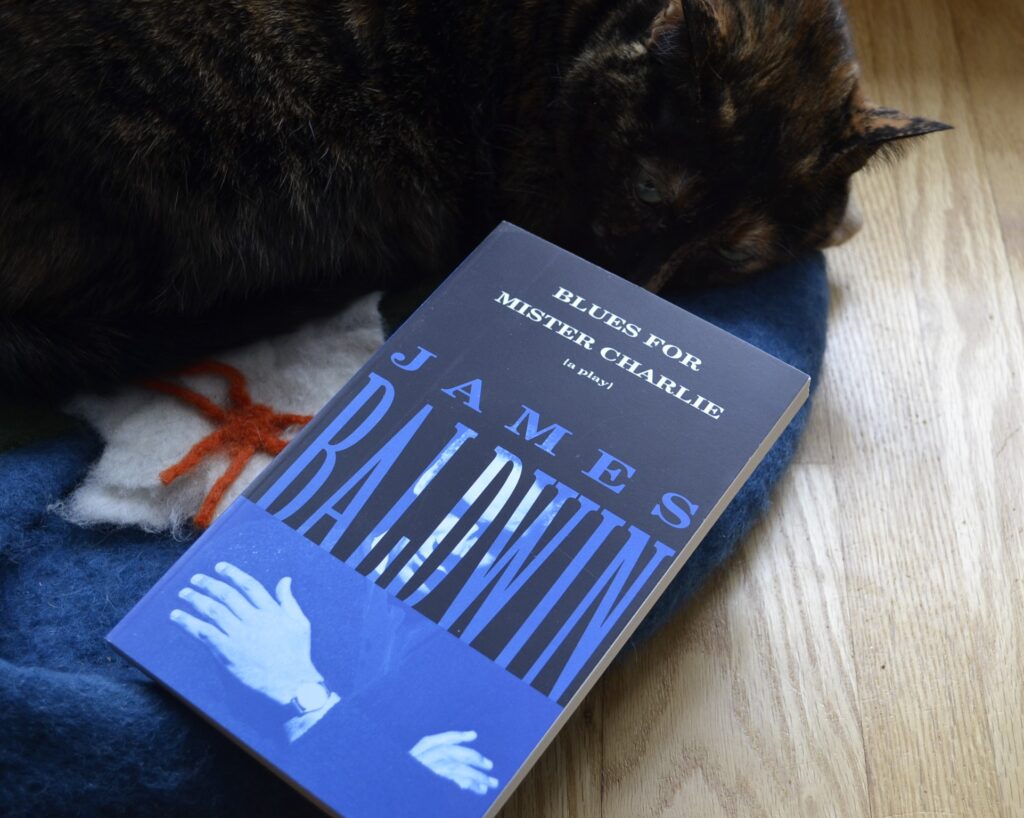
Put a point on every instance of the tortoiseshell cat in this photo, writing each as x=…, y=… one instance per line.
x=176, y=174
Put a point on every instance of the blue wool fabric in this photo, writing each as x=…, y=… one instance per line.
x=82, y=733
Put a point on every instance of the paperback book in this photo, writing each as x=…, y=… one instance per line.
x=400, y=613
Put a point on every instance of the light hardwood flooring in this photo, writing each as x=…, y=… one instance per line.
x=864, y=653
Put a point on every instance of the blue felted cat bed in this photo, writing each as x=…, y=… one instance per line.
x=83, y=734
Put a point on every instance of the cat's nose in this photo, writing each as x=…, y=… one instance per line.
x=848, y=227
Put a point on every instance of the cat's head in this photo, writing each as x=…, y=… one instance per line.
x=718, y=138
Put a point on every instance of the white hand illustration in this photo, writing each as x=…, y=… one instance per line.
x=265, y=642
x=444, y=755
x=262, y=640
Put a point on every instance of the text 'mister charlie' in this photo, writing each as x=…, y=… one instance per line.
x=610, y=353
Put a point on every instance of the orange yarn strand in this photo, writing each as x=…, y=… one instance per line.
x=243, y=428
x=206, y=511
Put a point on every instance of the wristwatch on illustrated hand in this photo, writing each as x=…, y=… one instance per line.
x=310, y=697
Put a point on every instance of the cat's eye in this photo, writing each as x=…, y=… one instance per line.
x=647, y=190
x=734, y=256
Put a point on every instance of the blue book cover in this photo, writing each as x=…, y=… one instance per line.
x=404, y=608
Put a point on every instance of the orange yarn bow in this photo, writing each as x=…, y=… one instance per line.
x=243, y=428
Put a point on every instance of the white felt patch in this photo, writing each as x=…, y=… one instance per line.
x=146, y=432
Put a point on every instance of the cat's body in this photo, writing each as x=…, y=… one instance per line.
x=173, y=174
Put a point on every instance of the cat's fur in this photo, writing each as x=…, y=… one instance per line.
x=176, y=173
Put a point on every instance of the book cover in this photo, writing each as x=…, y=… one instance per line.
x=403, y=609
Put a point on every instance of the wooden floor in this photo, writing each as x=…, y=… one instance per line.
x=864, y=654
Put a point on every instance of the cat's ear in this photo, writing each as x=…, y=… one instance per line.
x=685, y=37
x=667, y=22
x=873, y=128
x=876, y=126
x=694, y=26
